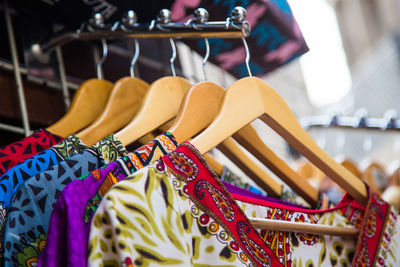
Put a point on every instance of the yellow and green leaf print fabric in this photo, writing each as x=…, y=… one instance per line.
x=176, y=212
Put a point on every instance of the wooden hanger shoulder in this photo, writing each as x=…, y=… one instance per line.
x=199, y=108
x=160, y=104
x=197, y=111
x=122, y=105
x=88, y=102
x=375, y=175
x=250, y=98
x=350, y=165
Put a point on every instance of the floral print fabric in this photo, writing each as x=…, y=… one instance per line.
x=26, y=148
x=72, y=215
x=176, y=212
x=31, y=206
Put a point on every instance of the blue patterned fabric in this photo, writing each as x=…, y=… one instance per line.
x=31, y=206
x=14, y=177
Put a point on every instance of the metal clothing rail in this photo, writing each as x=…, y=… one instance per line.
x=388, y=122
x=17, y=73
x=127, y=28
x=162, y=27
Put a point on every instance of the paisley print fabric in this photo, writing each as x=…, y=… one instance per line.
x=31, y=206
x=176, y=212
x=69, y=228
x=26, y=148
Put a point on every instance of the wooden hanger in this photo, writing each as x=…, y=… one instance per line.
x=375, y=175
x=394, y=171
x=199, y=108
x=250, y=168
x=122, y=105
x=350, y=165
x=160, y=104
x=217, y=167
x=308, y=228
x=250, y=98
x=392, y=195
x=248, y=138
x=88, y=102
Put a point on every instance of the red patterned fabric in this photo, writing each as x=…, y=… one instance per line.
x=373, y=232
x=211, y=194
x=17, y=152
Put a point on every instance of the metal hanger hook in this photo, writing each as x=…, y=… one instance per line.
x=99, y=66
x=134, y=59
x=239, y=14
x=205, y=59
x=173, y=57
x=201, y=16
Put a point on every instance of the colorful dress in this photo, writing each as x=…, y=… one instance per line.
x=26, y=148
x=176, y=212
x=69, y=228
x=31, y=206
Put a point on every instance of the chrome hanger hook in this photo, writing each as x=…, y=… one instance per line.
x=201, y=16
x=134, y=59
x=173, y=57
x=205, y=59
x=99, y=66
x=239, y=14
x=247, y=61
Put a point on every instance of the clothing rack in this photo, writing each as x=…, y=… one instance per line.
x=162, y=27
x=388, y=122
x=126, y=28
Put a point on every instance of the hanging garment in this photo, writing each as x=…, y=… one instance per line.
x=31, y=206
x=15, y=176
x=69, y=227
x=176, y=212
x=26, y=148
x=233, y=179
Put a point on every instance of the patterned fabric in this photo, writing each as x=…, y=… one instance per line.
x=26, y=148
x=275, y=37
x=31, y=206
x=234, y=179
x=68, y=232
x=176, y=212
x=15, y=176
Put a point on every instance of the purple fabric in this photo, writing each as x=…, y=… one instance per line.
x=69, y=226
x=240, y=191
x=67, y=220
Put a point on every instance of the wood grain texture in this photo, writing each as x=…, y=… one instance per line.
x=122, y=105
x=87, y=104
x=251, y=98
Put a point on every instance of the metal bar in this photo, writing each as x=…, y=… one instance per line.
x=63, y=78
x=218, y=29
x=12, y=128
x=349, y=123
x=17, y=73
x=8, y=66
